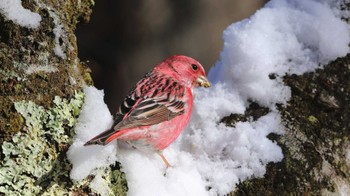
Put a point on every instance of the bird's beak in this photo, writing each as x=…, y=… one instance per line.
x=203, y=81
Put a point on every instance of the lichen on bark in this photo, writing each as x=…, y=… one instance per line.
x=30, y=69
x=30, y=154
x=41, y=81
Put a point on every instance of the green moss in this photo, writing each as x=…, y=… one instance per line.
x=31, y=154
x=10, y=121
x=313, y=119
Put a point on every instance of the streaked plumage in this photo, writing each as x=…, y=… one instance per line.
x=158, y=108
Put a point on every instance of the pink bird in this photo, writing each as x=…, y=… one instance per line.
x=158, y=108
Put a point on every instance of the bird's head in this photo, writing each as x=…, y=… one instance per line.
x=185, y=69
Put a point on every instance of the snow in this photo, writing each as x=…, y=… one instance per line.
x=58, y=31
x=13, y=10
x=209, y=158
x=94, y=118
x=61, y=41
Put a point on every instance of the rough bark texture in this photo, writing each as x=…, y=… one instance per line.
x=316, y=141
x=40, y=98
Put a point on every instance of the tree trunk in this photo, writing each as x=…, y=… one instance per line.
x=316, y=143
x=40, y=95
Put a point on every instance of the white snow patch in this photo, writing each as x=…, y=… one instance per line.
x=294, y=36
x=182, y=179
x=94, y=118
x=13, y=10
x=58, y=31
x=209, y=158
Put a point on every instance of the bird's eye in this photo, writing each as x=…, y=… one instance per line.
x=194, y=67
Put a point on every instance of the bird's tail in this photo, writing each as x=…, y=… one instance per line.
x=104, y=138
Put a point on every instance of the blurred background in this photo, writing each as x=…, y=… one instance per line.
x=125, y=39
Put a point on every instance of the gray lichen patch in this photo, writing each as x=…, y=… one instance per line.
x=109, y=181
x=31, y=153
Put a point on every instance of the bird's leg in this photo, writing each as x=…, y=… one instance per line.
x=164, y=159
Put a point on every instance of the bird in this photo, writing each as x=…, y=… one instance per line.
x=157, y=109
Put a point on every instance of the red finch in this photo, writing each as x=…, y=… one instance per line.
x=158, y=108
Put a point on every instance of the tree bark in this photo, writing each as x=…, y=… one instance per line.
x=316, y=143
x=40, y=97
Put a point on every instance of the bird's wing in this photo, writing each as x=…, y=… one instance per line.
x=150, y=112
x=152, y=101
x=158, y=100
